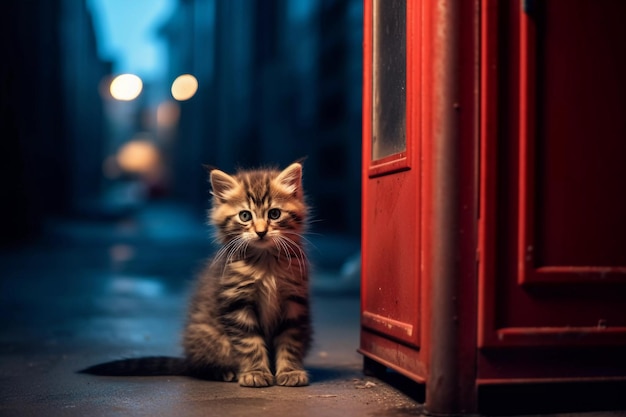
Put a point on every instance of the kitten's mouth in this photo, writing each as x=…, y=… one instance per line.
x=262, y=242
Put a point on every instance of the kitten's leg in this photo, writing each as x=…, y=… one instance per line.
x=291, y=343
x=241, y=321
x=254, y=369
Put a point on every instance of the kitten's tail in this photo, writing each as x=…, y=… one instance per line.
x=146, y=366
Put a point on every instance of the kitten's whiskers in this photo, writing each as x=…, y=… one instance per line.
x=303, y=237
x=292, y=248
x=280, y=244
x=232, y=250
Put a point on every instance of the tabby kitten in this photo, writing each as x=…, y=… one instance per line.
x=249, y=316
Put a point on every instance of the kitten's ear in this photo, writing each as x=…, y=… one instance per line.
x=291, y=178
x=222, y=184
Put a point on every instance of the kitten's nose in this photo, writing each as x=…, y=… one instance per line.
x=261, y=233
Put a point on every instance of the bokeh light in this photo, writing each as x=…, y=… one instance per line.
x=126, y=87
x=184, y=87
x=138, y=156
x=168, y=114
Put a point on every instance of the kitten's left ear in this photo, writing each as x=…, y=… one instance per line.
x=291, y=178
x=222, y=184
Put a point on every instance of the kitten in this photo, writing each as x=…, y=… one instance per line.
x=248, y=318
x=251, y=304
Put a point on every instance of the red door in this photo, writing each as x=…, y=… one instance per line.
x=391, y=189
x=494, y=194
x=553, y=203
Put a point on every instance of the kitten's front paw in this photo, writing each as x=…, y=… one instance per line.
x=256, y=379
x=292, y=378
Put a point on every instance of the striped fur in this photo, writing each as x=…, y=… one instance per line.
x=249, y=316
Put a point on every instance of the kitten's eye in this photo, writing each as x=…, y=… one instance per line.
x=273, y=214
x=245, y=215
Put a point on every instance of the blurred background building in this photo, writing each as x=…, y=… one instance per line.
x=277, y=80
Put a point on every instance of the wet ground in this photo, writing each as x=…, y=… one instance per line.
x=94, y=291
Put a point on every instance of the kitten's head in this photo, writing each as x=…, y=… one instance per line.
x=263, y=209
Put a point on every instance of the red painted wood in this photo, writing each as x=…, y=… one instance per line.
x=489, y=83
x=419, y=230
x=548, y=277
x=394, y=355
x=572, y=227
x=494, y=247
x=391, y=304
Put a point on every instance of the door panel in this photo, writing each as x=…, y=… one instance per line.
x=572, y=142
x=390, y=304
x=553, y=229
x=391, y=194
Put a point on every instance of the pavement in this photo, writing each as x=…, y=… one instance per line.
x=89, y=292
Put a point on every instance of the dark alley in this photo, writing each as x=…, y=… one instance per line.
x=413, y=207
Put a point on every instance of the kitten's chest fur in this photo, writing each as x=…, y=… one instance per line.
x=272, y=283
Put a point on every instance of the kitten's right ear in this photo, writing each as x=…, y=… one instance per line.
x=222, y=184
x=291, y=178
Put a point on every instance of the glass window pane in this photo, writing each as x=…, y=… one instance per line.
x=389, y=78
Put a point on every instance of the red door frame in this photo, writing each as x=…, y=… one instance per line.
x=451, y=141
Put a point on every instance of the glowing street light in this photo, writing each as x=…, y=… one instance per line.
x=126, y=87
x=184, y=87
x=138, y=156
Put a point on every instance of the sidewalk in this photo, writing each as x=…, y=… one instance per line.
x=90, y=293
